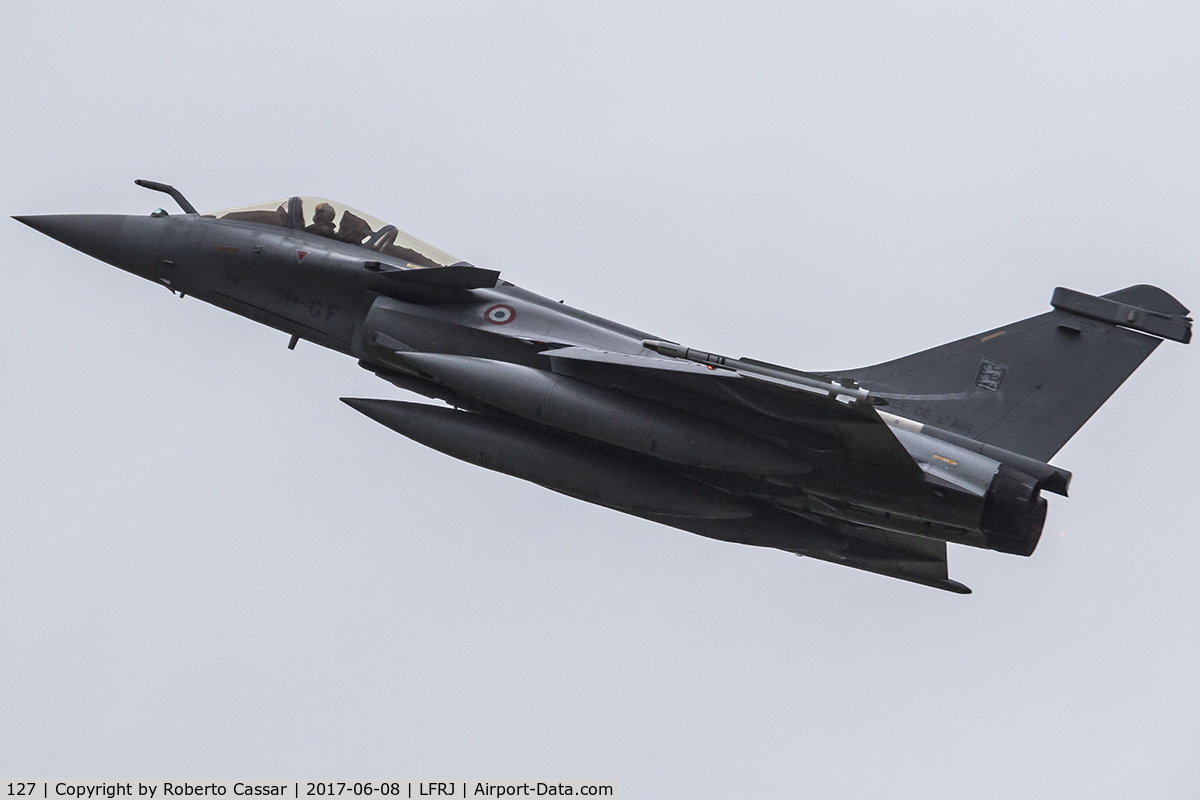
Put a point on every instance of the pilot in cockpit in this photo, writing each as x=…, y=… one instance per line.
x=322, y=223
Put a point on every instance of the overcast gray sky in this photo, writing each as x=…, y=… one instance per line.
x=212, y=569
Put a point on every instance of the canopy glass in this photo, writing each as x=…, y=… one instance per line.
x=338, y=221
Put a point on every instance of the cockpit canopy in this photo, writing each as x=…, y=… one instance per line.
x=337, y=221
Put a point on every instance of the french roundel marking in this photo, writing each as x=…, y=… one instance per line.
x=500, y=314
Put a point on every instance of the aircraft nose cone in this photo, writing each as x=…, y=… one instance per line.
x=128, y=242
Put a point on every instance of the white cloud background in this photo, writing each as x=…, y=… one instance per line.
x=211, y=569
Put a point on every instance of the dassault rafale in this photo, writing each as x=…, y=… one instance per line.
x=876, y=468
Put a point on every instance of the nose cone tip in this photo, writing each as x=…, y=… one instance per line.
x=31, y=221
x=123, y=241
x=75, y=230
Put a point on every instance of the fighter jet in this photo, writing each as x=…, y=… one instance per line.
x=876, y=468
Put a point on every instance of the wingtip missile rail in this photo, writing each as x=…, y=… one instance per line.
x=763, y=371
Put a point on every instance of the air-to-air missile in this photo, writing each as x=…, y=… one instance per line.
x=876, y=468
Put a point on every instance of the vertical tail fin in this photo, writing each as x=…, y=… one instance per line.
x=1029, y=386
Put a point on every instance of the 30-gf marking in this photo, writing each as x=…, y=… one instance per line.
x=291, y=301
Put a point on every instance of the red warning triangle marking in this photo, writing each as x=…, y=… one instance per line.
x=300, y=254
